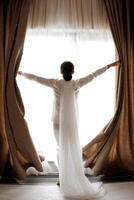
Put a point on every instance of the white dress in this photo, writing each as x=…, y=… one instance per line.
x=73, y=182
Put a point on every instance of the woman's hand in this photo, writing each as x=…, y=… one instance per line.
x=19, y=72
x=114, y=64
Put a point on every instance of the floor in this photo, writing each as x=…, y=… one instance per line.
x=50, y=191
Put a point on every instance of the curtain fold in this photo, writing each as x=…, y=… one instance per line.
x=17, y=146
x=112, y=152
x=3, y=139
x=68, y=14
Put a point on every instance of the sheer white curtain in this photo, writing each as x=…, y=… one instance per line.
x=62, y=30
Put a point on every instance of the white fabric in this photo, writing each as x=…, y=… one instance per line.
x=73, y=182
x=46, y=169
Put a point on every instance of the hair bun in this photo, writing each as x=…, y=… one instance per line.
x=67, y=69
x=67, y=76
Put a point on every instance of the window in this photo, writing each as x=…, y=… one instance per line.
x=43, y=54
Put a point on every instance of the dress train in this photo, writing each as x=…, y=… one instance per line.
x=73, y=182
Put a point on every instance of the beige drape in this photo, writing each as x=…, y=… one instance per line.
x=3, y=139
x=112, y=151
x=17, y=151
x=68, y=14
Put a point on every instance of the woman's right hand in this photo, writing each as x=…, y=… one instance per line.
x=116, y=63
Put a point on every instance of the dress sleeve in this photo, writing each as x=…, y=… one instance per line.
x=44, y=81
x=83, y=81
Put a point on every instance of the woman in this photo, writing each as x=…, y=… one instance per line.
x=73, y=182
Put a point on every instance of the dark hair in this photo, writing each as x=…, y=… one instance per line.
x=67, y=69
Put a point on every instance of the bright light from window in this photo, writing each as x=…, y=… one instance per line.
x=43, y=54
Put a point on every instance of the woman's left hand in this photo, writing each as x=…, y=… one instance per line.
x=19, y=72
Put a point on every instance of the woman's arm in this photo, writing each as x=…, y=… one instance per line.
x=83, y=81
x=114, y=64
x=41, y=80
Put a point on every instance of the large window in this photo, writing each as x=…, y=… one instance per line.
x=43, y=54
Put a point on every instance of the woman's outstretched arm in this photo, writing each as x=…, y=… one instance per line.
x=38, y=79
x=83, y=81
x=114, y=64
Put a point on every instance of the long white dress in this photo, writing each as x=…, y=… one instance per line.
x=73, y=182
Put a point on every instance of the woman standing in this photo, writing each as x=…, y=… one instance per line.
x=73, y=182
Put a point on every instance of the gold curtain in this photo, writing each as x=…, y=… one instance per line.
x=112, y=151
x=17, y=151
